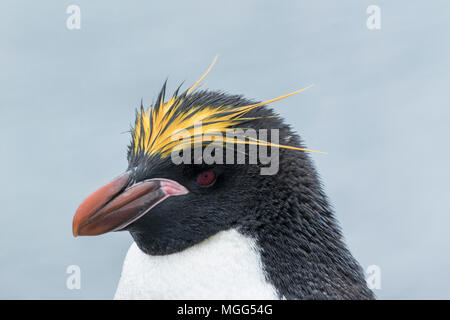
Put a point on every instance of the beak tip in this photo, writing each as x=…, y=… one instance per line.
x=94, y=202
x=75, y=227
x=74, y=231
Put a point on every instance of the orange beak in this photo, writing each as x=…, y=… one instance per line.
x=118, y=204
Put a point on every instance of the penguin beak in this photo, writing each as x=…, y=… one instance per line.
x=118, y=204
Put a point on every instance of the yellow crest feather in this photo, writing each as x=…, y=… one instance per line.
x=155, y=127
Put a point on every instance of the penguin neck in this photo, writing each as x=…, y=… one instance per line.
x=301, y=264
x=302, y=250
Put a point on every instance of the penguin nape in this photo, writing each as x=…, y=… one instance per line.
x=221, y=231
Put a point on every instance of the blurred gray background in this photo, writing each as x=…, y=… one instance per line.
x=379, y=107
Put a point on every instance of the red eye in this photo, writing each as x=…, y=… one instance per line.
x=206, y=178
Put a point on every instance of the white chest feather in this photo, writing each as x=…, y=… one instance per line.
x=225, y=266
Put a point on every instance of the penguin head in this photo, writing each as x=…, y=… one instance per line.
x=171, y=196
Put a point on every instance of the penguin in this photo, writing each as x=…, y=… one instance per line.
x=221, y=230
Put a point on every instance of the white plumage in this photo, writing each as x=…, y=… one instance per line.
x=224, y=266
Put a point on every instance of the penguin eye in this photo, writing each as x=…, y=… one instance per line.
x=206, y=178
